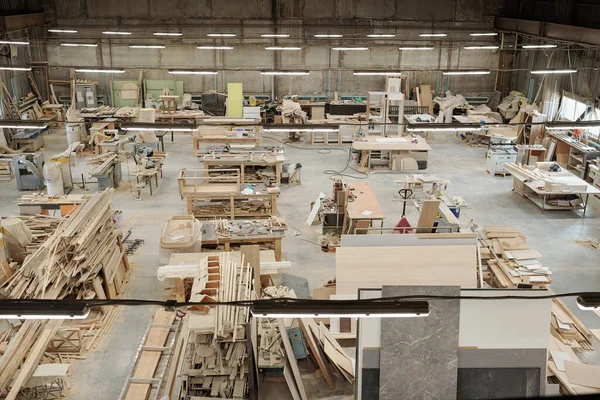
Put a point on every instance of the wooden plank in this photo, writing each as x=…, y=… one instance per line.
x=583, y=374
x=426, y=99
x=523, y=254
x=33, y=359
x=289, y=352
x=251, y=255
x=148, y=360
x=428, y=215
x=316, y=352
x=372, y=267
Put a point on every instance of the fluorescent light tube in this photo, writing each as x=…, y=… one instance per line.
x=147, y=46
x=275, y=35
x=350, y=48
x=564, y=128
x=15, y=68
x=116, y=33
x=539, y=46
x=12, y=42
x=39, y=309
x=167, y=34
x=22, y=126
x=221, y=34
x=553, y=71
x=321, y=35
x=62, y=31
x=285, y=73
x=103, y=71
x=300, y=130
x=374, y=73
x=381, y=35
x=79, y=44
x=448, y=129
x=481, y=47
x=416, y=48
x=282, y=48
x=589, y=302
x=215, y=47
x=433, y=34
x=467, y=72
x=191, y=72
x=485, y=34
x=158, y=128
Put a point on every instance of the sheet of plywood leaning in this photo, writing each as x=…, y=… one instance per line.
x=373, y=267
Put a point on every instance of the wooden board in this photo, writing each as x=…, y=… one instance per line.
x=583, y=374
x=428, y=215
x=316, y=352
x=373, y=267
x=251, y=255
x=426, y=99
x=289, y=352
x=365, y=201
x=148, y=361
x=523, y=254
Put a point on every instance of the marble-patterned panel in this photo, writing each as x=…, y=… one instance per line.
x=419, y=356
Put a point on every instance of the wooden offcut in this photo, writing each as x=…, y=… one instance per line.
x=429, y=213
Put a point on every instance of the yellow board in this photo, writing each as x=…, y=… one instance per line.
x=235, y=100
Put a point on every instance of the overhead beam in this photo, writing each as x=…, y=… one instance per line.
x=549, y=30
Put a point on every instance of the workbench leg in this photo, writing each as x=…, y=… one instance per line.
x=587, y=198
x=278, y=173
x=189, y=205
x=227, y=246
x=150, y=183
x=232, y=205
x=171, y=140
x=274, y=205
x=278, y=250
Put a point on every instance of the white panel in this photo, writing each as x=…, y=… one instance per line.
x=504, y=324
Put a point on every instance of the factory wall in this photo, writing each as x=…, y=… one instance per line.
x=330, y=70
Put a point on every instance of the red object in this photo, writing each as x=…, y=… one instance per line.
x=403, y=226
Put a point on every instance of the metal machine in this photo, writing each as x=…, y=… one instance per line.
x=29, y=171
x=497, y=155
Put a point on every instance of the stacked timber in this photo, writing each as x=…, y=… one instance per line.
x=509, y=259
x=83, y=258
x=568, y=329
x=566, y=369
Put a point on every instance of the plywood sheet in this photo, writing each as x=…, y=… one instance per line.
x=235, y=100
x=429, y=213
x=373, y=267
x=583, y=374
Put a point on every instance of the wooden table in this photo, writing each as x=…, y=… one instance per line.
x=210, y=237
x=223, y=191
x=242, y=161
x=570, y=153
x=41, y=204
x=531, y=188
x=397, y=147
x=251, y=141
x=363, y=207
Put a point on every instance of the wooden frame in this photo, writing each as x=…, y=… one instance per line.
x=212, y=165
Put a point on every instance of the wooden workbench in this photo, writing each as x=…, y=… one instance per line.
x=222, y=196
x=570, y=153
x=361, y=205
x=273, y=239
x=244, y=161
x=396, y=147
x=533, y=187
x=223, y=137
x=41, y=204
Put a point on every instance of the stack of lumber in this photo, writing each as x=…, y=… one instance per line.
x=217, y=351
x=84, y=258
x=568, y=329
x=566, y=369
x=509, y=260
x=41, y=227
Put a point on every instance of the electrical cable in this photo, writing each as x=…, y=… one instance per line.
x=281, y=301
x=332, y=173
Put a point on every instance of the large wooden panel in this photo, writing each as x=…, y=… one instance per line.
x=373, y=267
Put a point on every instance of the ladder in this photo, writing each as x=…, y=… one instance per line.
x=166, y=351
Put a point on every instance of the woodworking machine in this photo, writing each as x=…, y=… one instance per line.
x=29, y=171
x=108, y=174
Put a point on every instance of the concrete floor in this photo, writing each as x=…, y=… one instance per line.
x=575, y=268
